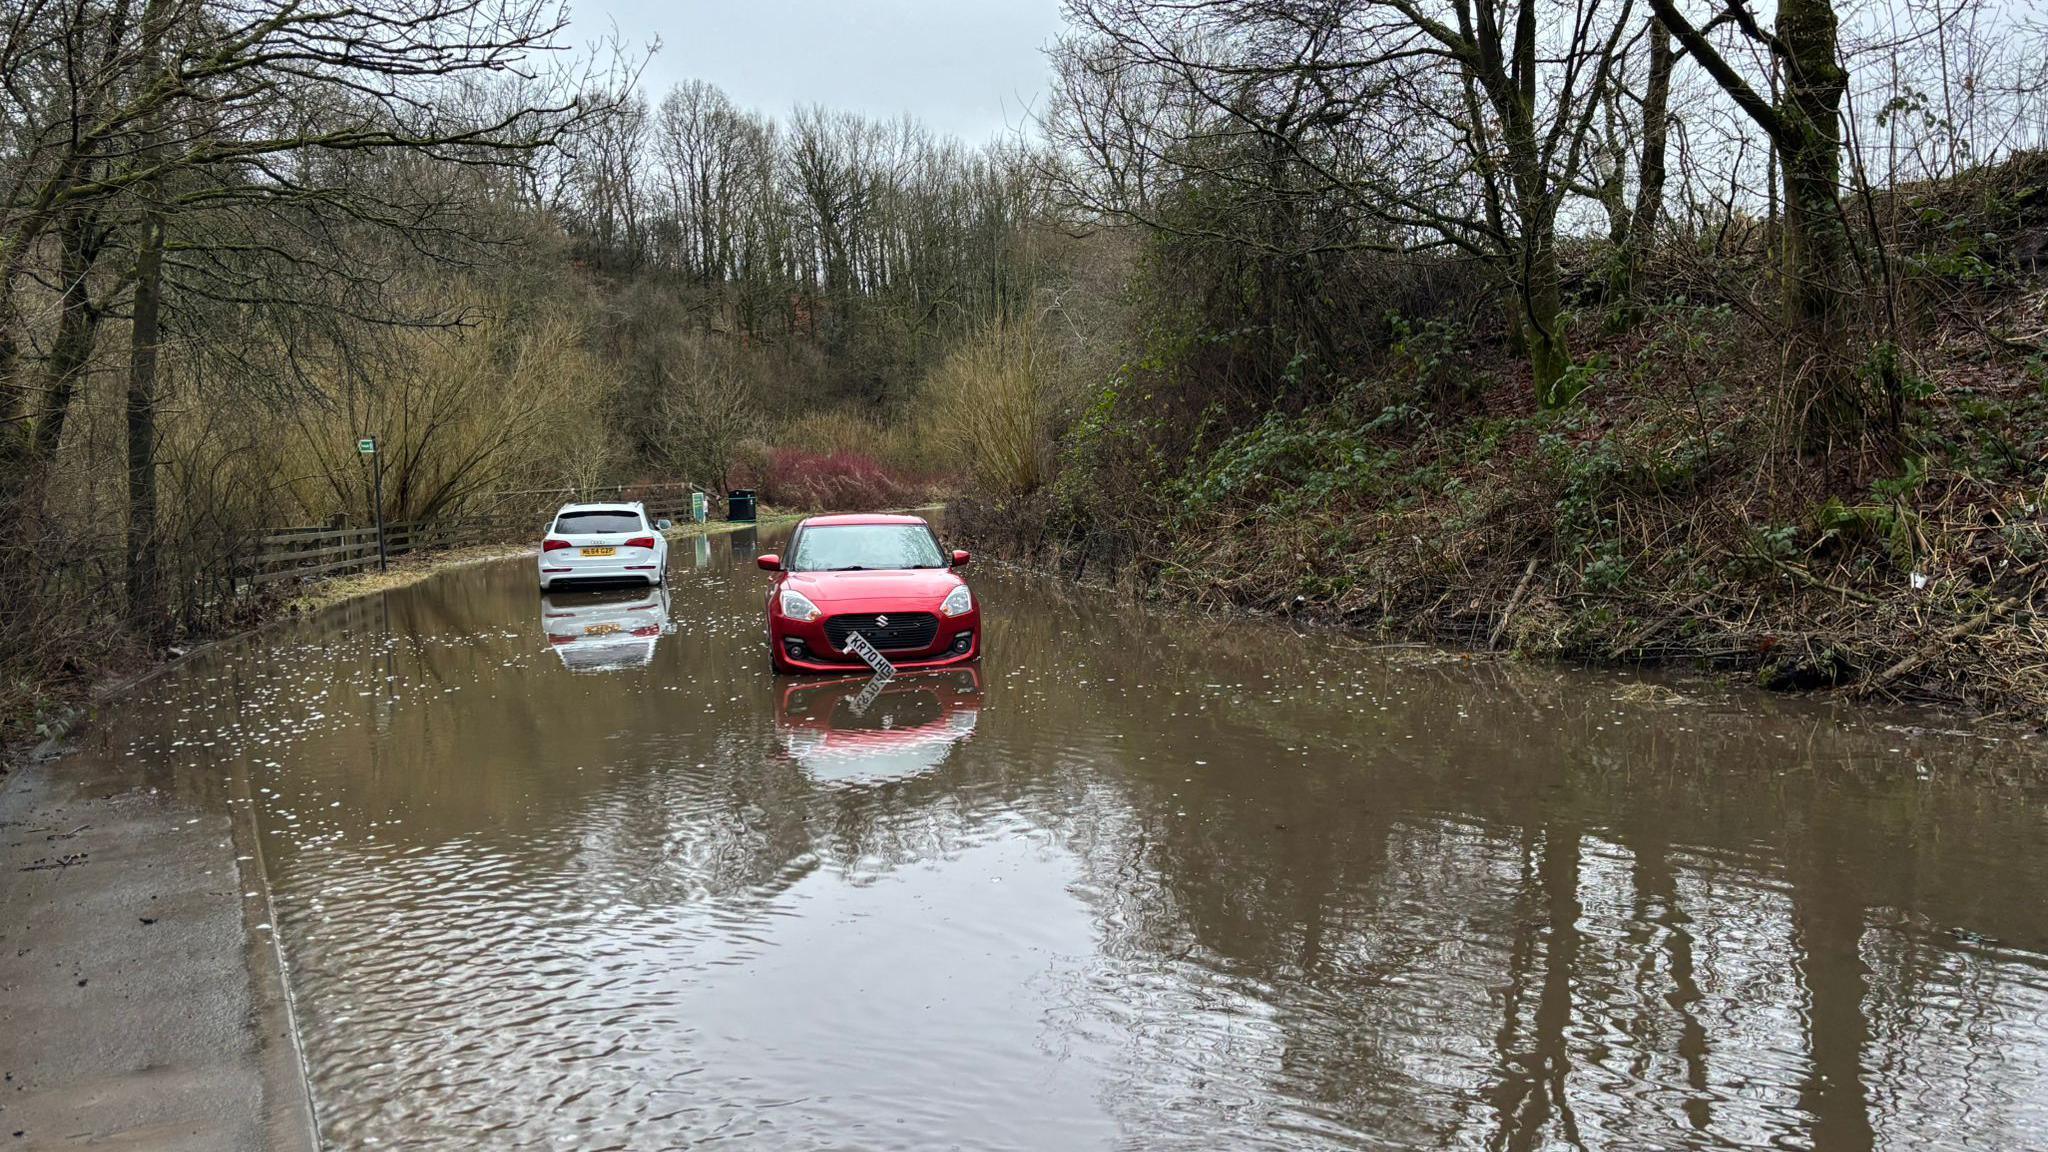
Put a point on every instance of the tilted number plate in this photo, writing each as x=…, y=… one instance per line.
x=859, y=646
x=869, y=693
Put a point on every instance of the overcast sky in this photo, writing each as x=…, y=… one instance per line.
x=968, y=67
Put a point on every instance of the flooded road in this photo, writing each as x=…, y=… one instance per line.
x=576, y=872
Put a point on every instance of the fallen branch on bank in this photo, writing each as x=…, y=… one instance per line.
x=1508, y=613
x=1934, y=647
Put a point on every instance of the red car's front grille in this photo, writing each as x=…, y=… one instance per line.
x=904, y=631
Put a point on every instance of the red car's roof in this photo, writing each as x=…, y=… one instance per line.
x=861, y=518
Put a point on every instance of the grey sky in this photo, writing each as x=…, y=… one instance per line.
x=968, y=67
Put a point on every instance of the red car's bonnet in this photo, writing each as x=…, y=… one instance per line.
x=913, y=587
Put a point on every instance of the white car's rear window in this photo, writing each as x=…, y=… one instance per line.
x=588, y=523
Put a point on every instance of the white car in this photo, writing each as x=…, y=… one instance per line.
x=612, y=543
x=606, y=631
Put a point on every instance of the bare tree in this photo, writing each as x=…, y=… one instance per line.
x=704, y=413
x=163, y=151
x=1804, y=126
x=611, y=180
x=711, y=161
x=1447, y=125
x=1641, y=137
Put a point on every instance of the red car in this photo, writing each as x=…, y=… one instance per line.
x=884, y=577
x=855, y=729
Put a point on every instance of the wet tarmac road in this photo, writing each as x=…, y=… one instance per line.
x=575, y=872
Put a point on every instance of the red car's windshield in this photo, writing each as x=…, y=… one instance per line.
x=858, y=547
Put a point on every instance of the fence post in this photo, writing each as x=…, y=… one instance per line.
x=377, y=470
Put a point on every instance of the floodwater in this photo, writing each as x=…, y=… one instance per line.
x=575, y=872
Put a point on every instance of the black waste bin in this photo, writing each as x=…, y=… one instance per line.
x=739, y=505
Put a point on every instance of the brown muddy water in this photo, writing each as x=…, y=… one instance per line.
x=1138, y=882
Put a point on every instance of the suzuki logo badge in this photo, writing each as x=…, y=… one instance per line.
x=881, y=621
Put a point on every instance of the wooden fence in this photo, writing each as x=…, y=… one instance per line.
x=308, y=553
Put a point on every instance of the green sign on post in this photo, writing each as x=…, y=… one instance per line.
x=366, y=448
x=697, y=507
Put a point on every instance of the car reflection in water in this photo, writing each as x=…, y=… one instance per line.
x=855, y=730
x=606, y=631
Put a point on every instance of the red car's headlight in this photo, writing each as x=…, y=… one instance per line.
x=798, y=607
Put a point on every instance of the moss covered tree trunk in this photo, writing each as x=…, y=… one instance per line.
x=1818, y=271
x=1543, y=336
x=1804, y=124
x=1538, y=283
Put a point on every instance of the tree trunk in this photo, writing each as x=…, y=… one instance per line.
x=1817, y=270
x=1804, y=124
x=77, y=324
x=1550, y=357
x=33, y=429
x=1538, y=286
x=14, y=408
x=1539, y=295
x=1650, y=169
x=146, y=609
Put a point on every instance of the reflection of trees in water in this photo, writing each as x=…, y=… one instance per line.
x=1266, y=870
x=1959, y=1017
x=1488, y=907
x=1529, y=1093
x=1827, y=916
x=1666, y=1020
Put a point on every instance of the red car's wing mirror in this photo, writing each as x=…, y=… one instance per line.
x=769, y=562
x=961, y=559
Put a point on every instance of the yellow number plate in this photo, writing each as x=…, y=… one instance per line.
x=600, y=629
x=590, y=552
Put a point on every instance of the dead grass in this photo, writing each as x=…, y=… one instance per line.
x=1653, y=524
x=410, y=569
x=991, y=403
x=404, y=572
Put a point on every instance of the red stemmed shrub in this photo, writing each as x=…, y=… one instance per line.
x=834, y=482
